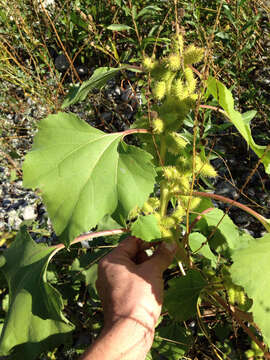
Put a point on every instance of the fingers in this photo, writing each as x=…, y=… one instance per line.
x=129, y=247
x=163, y=256
x=133, y=248
x=141, y=257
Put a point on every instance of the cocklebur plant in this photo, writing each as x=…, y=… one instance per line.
x=91, y=180
x=174, y=89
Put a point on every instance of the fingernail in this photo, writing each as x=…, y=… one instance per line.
x=172, y=246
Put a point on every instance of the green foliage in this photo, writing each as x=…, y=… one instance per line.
x=99, y=78
x=146, y=227
x=35, y=321
x=89, y=178
x=254, y=276
x=240, y=121
x=198, y=244
x=182, y=297
x=224, y=236
x=71, y=163
x=171, y=341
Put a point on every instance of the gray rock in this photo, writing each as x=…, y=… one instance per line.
x=82, y=70
x=13, y=220
x=29, y=213
x=226, y=189
x=61, y=63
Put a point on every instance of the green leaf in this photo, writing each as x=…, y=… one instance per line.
x=134, y=173
x=146, y=228
x=198, y=244
x=225, y=99
x=223, y=35
x=96, y=81
x=89, y=274
x=224, y=236
x=248, y=116
x=182, y=296
x=170, y=342
x=134, y=11
x=34, y=320
x=77, y=20
x=204, y=204
x=251, y=269
x=148, y=10
x=108, y=223
x=119, y=27
x=82, y=176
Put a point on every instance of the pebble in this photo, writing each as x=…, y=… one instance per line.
x=29, y=213
x=13, y=220
x=61, y=63
x=117, y=90
x=226, y=189
x=126, y=95
x=242, y=220
x=106, y=116
x=82, y=70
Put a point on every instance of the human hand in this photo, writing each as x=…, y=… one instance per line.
x=130, y=283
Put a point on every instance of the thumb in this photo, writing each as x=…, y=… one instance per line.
x=163, y=256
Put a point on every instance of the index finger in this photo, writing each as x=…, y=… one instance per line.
x=129, y=247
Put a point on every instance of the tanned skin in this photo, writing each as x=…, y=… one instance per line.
x=130, y=286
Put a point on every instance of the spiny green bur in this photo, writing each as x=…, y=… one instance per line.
x=174, y=91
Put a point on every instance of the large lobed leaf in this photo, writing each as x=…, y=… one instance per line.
x=182, y=296
x=251, y=269
x=198, y=244
x=170, y=342
x=85, y=174
x=223, y=234
x=146, y=228
x=34, y=321
x=240, y=121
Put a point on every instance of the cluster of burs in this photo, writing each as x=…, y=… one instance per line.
x=174, y=91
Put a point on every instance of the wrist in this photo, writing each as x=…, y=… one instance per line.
x=139, y=318
x=130, y=333
x=133, y=323
x=125, y=339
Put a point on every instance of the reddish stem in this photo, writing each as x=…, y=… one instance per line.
x=198, y=218
x=224, y=199
x=214, y=108
x=242, y=324
x=135, y=131
x=87, y=237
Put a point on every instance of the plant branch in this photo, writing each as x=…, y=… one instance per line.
x=87, y=237
x=265, y=222
x=236, y=315
x=214, y=108
x=135, y=131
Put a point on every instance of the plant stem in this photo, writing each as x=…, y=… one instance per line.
x=162, y=150
x=135, y=131
x=242, y=324
x=164, y=198
x=180, y=265
x=164, y=192
x=265, y=222
x=87, y=237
